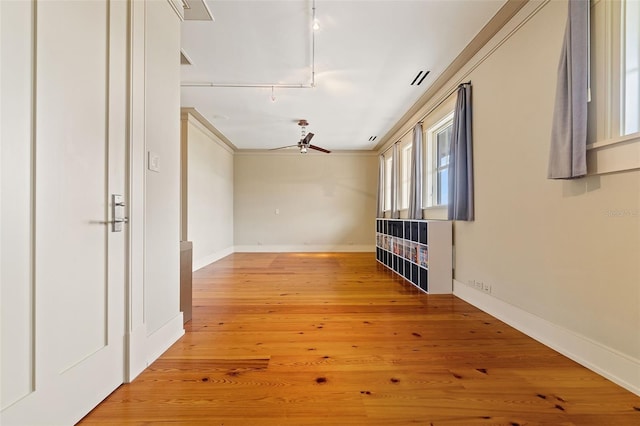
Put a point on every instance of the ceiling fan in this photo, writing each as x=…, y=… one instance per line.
x=304, y=144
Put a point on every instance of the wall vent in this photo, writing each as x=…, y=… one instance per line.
x=420, y=78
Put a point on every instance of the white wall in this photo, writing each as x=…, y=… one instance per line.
x=16, y=320
x=324, y=202
x=155, y=320
x=16, y=260
x=209, y=192
x=561, y=257
x=162, y=188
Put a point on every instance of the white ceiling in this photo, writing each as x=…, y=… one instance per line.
x=367, y=53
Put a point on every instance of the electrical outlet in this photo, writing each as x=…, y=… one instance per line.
x=479, y=285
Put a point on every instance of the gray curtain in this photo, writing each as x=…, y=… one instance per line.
x=415, y=177
x=380, y=197
x=395, y=213
x=568, y=154
x=461, y=159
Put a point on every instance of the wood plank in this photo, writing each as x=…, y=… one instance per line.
x=336, y=339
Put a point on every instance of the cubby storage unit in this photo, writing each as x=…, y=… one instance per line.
x=418, y=250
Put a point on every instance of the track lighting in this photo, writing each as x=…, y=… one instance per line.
x=303, y=149
x=315, y=25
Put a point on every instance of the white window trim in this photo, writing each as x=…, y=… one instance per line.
x=614, y=155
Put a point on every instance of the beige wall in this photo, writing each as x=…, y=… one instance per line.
x=325, y=202
x=209, y=193
x=560, y=259
x=564, y=251
x=552, y=248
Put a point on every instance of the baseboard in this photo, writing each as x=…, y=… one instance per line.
x=206, y=260
x=161, y=339
x=306, y=248
x=145, y=348
x=137, y=353
x=615, y=366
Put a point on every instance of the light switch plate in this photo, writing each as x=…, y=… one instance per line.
x=153, y=162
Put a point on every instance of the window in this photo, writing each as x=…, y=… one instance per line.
x=631, y=90
x=437, y=151
x=405, y=171
x=388, y=163
x=614, y=110
x=442, y=148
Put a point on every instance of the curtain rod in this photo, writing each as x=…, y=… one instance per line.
x=444, y=98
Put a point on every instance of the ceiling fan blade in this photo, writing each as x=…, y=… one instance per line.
x=307, y=139
x=317, y=148
x=284, y=147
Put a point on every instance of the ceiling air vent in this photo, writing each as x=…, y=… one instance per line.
x=184, y=59
x=420, y=78
x=372, y=138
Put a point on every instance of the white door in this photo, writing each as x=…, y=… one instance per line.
x=63, y=270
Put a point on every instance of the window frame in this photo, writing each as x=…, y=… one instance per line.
x=430, y=195
x=625, y=68
x=608, y=148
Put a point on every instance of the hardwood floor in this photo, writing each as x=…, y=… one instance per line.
x=336, y=339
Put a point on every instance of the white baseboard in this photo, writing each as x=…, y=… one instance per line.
x=615, y=366
x=206, y=260
x=304, y=248
x=137, y=352
x=161, y=339
x=145, y=348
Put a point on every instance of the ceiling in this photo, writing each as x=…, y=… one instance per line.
x=258, y=67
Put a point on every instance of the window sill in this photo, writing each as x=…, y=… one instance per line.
x=435, y=212
x=614, y=155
